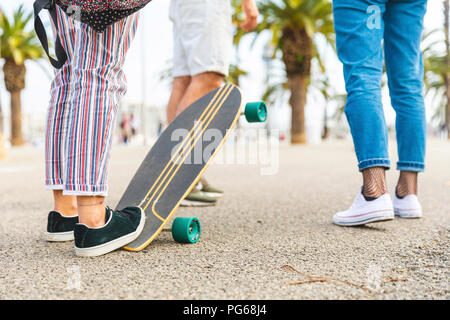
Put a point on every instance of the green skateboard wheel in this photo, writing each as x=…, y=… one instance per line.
x=256, y=111
x=186, y=230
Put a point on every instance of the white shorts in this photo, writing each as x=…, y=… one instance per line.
x=203, y=36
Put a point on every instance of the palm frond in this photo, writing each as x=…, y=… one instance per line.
x=17, y=41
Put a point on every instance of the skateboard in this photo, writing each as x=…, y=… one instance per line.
x=179, y=157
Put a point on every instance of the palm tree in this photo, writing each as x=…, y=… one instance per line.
x=295, y=25
x=17, y=45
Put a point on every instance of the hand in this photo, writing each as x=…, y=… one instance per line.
x=251, y=15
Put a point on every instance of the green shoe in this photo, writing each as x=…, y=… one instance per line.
x=210, y=190
x=121, y=228
x=198, y=198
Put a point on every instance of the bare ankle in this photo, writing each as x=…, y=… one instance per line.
x=67, y=211
x=65, y=205
x=91, y=211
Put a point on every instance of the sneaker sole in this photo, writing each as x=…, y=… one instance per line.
x=189, y=203
x=408, y=215
x=114, y=244
x=213, y=194
x=59, y=236
x=364, y=219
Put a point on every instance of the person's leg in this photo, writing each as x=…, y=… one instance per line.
x=199, y=85
x=406, y=203
x=66, y=205
x=91, y=210
x=359, y=33
x=407, y=183
x=359, y=46
x=98, y=86
x=179, y=88
x=202, y=49
x=62, y=219
x=196, y=69
x=374, y=182
x=180, y=71
x=404, y=67
x=204, y=40
x=56, y=124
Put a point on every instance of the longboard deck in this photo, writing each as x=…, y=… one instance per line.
x=178, y=159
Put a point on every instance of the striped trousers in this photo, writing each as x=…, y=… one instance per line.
x=85, y=96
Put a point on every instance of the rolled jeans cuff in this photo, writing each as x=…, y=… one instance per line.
x=410, y=166
x=369, y=163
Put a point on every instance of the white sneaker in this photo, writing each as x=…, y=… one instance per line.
x=363, y=211
x=407, y=207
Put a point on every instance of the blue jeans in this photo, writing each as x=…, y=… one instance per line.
x=363, y=28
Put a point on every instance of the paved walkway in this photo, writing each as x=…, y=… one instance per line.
x=268, y=232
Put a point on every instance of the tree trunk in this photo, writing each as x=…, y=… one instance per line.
x=297, y=55
x=16, y=119
x=15, y=82
x=325, y=129
x=298, y=86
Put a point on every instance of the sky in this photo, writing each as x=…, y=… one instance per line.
x=151, y=52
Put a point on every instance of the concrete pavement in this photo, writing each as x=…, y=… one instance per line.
x=265, y=228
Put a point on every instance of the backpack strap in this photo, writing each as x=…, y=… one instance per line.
x=61, y=56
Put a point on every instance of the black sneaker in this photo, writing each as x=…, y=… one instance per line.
x=121, y=228
x=59, y=227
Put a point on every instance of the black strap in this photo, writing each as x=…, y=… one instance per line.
x=61, y=56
